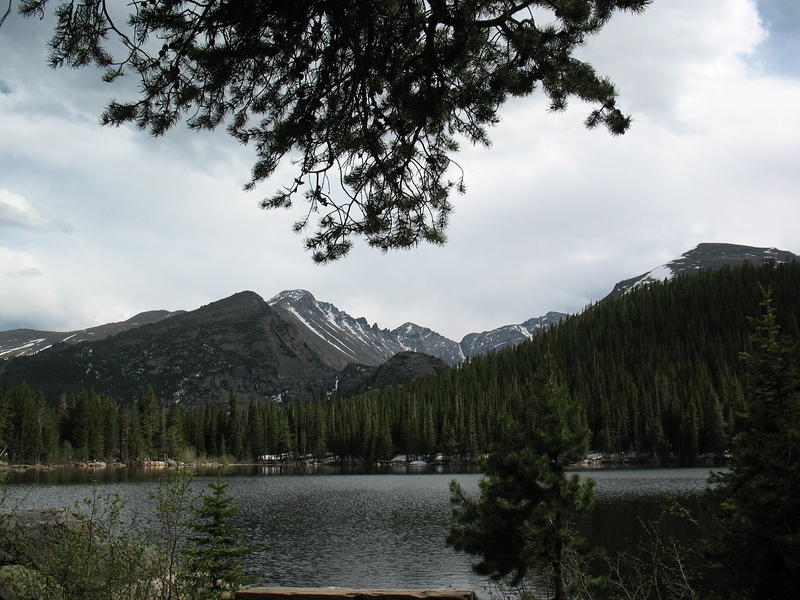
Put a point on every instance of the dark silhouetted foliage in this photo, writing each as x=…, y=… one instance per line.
x=371, y=97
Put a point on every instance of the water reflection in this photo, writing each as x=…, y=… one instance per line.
x=139, y=474
x=376, y=530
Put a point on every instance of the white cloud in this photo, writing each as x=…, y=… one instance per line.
x=23, y=299
x=553, y=217
x=16, y=211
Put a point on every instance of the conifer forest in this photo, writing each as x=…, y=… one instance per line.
x=656, y=372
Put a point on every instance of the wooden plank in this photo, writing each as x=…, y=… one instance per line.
x=292, y=593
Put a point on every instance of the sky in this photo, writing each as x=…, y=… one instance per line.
x=98, y=224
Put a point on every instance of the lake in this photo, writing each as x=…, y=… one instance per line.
x=370, y=530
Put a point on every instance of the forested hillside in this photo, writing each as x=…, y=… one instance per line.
x=657, y=370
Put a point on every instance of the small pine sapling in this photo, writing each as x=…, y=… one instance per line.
x=213, y=556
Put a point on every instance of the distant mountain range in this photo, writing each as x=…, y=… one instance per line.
x=338, y=338
x=342, y=339
x=292, y=346
x=238, y=344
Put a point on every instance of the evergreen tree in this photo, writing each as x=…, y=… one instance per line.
x=235, y=427
x=148, y=406
x=758, y=500
x=523, y=524
x=656, y=370
x=213, y=557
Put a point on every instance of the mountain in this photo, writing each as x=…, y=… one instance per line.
x=341, y=339
x=336, y=336
x=704, y=256
x=475, y=344
x=415, y=338
x=237, y=344
x=401, y=368
x=292, y=346
x=658, y=372
x=26, y=342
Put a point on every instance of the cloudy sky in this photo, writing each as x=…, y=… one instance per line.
x=97, y=224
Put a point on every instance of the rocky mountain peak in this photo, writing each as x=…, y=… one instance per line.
x=236, y=306
x=336, y=336
x=416, y=338
x=274, y=343
x=706, y=255
x=150, y=316
x=553, y=314
x=508, y=335
x=303, y=297
x=235, y=344
x=713, y=254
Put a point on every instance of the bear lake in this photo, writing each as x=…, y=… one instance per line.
x=368, y=530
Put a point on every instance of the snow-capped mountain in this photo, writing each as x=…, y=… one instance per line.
x=25, y=342
x=338, y=339
x=336, y=336
x=426, y=341
x=343, y=339
x=235, y=345
x=704, y=256
x=474, y=344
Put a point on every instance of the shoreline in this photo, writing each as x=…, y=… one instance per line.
x=151, y=465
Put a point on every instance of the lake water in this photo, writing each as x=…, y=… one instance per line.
x=373, y=530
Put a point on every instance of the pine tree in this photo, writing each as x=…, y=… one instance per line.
x=758, y=500
x=523, y=523
x=235, y=428
x=373, y=95
x=213, y=556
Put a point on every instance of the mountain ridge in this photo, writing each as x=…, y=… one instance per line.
x=343, y=338
x=26, y=342
x=706, y=255
x=236, y=344
x=290, y=346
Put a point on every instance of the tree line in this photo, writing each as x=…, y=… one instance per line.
x=656, y=371
x=523, y=528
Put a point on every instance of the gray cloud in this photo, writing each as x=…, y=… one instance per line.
x=29, y=272
x=16, y=211
x=553, y=216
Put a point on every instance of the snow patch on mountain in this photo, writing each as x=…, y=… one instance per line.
x=660, y=273
x=25, y=346
x=313, y=330
x=704, y=256
x=27, y=342
x=333, y=330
